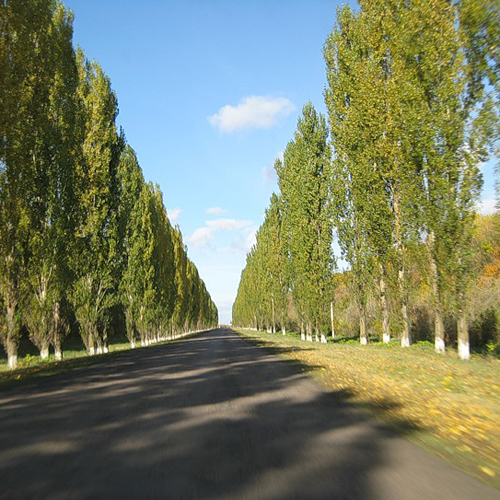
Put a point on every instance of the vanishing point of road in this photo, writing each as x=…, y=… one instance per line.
x=210, y=417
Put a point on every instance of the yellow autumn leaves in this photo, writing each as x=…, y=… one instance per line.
x=453, y=407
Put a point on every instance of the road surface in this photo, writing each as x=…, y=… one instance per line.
x=211, y=417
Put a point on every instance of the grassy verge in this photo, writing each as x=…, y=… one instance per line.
x=451, y=406
x=32, y=366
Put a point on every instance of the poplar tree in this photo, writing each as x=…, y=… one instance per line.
x=276, y=262
x=453, y=56
x=304, y=180
x=132, y=184
x=26, y=87
x=94, y=259
x=365, y=95
x=163, y=261
x=182, y=301
x=52, y=220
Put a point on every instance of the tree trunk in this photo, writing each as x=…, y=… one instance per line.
x=439, y=344
x=463, y=336
x=405, y=333
x=11, y=348
x=56, y=332
x=11, y=339
x=132, y=343
x=363, y=338
x=273, y=328
x=331, y=320
x=91, y=347
x=386, y=334
x=105, y=343
x=44, y=351
x=58, y=353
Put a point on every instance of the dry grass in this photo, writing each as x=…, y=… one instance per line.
x=452, y=405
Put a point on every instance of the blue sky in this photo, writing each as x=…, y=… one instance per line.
x=209, y=95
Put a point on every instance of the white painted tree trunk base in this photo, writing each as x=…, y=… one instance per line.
x=302, y=336
x=12, y=361
x=309, y=338
x=132, y=344
x=439, y=346
x=106, y=349
x=463, y=350
x=99, y=350
x=316, y=338
x=58, y=354
x=386, y=338
x=283, y=331
x=405, y=342
x=323, y=339
x=91, y=351
x=44, y=352
x=363, y=341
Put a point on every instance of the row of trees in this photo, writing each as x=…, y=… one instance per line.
x=413, y=106
x=82, y=235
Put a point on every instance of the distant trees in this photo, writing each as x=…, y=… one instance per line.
x=81, y=232
x=293, y=249
x=413, y=107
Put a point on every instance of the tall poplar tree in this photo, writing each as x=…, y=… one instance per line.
x=452, y=64
x=132, y=184
x=31, y=83
x=94, y=257
x=304, y=181
x=52, y=215
x=365, y=94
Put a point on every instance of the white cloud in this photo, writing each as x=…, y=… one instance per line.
x=486, y=207
x=251, y=112
x=173, y=215
x=203, y=236
x=215, y=211
x=245, y=240
x=227, y=224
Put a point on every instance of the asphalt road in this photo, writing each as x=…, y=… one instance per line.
x=211, y=417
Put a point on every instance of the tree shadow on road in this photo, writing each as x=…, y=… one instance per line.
x=209, y=418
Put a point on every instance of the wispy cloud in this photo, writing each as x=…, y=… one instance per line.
x=486, y=207
x=227, y=224
x=173, y=215
x=251, y=112
x=203, y=236
x=215, y=211
x=244, y=241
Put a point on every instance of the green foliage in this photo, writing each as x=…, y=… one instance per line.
x=413, y=103
x=81, y=234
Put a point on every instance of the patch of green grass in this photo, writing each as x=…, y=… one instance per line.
x=451, y=406
x=32, y=366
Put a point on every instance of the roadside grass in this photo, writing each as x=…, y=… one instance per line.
x=449, y=406
x=75, y=355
